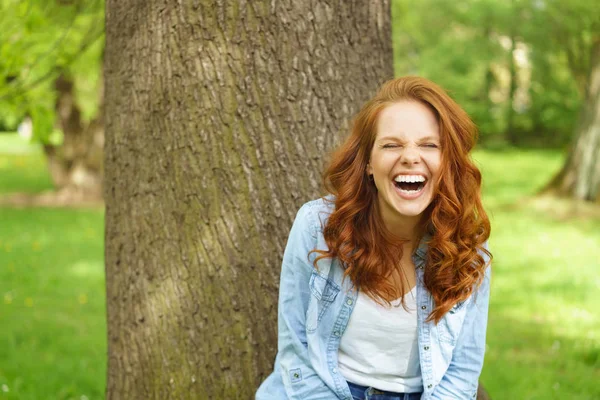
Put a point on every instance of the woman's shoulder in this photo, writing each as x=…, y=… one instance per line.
x=322, y=204
x=313, y=214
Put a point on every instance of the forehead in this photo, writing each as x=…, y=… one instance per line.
x=407, y=119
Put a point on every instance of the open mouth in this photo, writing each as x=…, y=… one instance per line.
x=410, y=184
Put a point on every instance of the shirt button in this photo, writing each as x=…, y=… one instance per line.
x=426, y=347
x=429, y=386
x=334, y=370
x=336, y=333
x=349, y=302
x=423, y=307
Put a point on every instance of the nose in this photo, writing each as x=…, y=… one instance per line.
x=410, y=155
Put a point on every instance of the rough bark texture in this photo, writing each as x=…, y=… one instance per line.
x=76, y=166
x=580, y=176
x=218, y=118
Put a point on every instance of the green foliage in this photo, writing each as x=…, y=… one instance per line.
x=41, y=40
x=467, y=47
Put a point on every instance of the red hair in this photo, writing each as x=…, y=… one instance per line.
x=455, y=220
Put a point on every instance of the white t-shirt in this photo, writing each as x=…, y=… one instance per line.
x=379, y=347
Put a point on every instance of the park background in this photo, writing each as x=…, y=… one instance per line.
x=520, y=68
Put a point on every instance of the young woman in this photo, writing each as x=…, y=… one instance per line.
x=385, y=282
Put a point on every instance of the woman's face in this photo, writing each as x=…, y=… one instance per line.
x=405, y=161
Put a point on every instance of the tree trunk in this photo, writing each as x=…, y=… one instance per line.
x=76, y=166
x=218, y=119
x=580, y=176
x=510, y=135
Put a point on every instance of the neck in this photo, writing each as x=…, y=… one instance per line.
x=401, y=226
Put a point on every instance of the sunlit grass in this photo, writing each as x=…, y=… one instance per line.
x=543, y=334
x=52, y=301
x=12, y=143
x=510, y=175
x=23, y=167
x=52, y=314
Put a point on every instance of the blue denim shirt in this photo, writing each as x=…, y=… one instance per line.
x=314, y=309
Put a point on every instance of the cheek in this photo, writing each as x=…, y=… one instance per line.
x=434, y=163
x=381, y=164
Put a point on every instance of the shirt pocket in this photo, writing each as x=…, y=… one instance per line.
x=451, y=324
x=322, y=293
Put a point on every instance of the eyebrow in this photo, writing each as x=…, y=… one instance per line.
x=423, y=139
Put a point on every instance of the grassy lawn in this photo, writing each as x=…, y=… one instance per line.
x=22, y=166
x=52, y=312
x=544, y=329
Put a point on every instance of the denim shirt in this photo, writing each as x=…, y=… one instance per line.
x=314, y=309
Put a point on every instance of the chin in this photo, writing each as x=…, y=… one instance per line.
x=412, y=208
x=411, y=211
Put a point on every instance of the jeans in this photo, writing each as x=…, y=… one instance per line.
x=368, y=393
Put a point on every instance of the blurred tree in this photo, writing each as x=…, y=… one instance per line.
x=558, y=35
x=218, y=119
x=49, y=70
x=580, y=176
x=516, y=66
x=76, y=164
x=459, y=45
x=575, y=28
x=510, y=132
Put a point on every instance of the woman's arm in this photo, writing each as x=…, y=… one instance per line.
x=461, y=379
x=299, y=378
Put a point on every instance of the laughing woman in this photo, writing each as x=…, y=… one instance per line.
x=385, y=282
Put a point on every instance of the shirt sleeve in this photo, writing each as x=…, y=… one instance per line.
x=461, y=379
x=299, y=377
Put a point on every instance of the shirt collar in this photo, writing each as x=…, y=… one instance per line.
x=421, y=251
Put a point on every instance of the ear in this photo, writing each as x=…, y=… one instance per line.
x=369, y=169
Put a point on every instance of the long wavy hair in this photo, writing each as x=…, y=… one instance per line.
x=455, y=221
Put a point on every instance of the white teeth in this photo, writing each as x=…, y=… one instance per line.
x=410, y=191
x=410, y=178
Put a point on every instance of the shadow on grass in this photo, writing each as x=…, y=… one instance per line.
x=558, y=209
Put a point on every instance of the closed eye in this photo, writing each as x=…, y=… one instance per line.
x=430, y=145
x=389, y=146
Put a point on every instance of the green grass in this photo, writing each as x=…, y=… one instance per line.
x=544, y=329
x=52, y=318
x=510, y=175
x=52, y=301
x=22, y=166
x=11, y=143
x=543, y=334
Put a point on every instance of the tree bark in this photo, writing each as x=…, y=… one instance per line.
x=218, y=119
x=76, y=166
x=580, y=176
